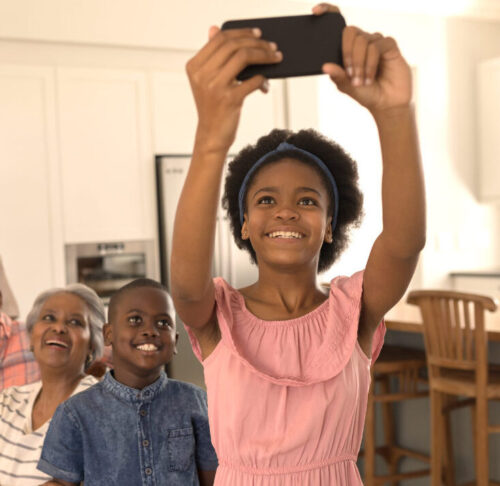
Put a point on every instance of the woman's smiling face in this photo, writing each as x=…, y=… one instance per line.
x=61, y=335
x=287, y=218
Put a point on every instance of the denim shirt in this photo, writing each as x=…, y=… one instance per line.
x=111, y=434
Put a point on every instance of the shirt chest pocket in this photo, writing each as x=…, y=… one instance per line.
x=181, y=445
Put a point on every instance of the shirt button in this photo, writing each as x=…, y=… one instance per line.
x=147, y=393
x=145, y=442
x=143, y=413
x=148, y=471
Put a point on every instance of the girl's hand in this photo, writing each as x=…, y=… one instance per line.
x=376, y=74
x=218, y=95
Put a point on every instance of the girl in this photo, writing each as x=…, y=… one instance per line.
x=287, y=366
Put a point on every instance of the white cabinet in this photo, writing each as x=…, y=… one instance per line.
x=260, y=114
x=106, y=165
x=30, y=235
x=77, y=149
x=175, y=117
x=489, y=129
x=174, y=113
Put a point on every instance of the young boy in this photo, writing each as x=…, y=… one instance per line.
x=136, y=427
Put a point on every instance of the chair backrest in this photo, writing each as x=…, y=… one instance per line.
x=454, y=331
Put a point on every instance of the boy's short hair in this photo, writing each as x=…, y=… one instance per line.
x=138, y=284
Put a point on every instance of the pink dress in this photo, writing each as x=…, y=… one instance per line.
x=287, y=399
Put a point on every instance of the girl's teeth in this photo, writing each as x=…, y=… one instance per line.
x=285, y=234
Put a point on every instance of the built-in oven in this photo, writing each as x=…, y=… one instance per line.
x=107, y=266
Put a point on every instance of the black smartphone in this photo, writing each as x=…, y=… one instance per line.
x=306, y=41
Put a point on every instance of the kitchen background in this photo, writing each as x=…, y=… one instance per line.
x=92, y=90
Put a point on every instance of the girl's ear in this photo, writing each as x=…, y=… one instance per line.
x=107, y=331
x=244, y=229
x=329, y=230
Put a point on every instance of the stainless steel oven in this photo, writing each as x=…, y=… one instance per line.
x=107, y=266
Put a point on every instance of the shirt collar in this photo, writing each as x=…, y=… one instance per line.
x=127, y=393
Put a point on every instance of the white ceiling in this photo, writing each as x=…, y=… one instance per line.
x=488, y=10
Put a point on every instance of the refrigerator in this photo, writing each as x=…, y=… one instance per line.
x=229, y=261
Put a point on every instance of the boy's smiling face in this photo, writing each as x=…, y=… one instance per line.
x=141, y=330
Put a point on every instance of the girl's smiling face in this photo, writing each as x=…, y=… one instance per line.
x=287, y=218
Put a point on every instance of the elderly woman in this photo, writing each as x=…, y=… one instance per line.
x=65, y=329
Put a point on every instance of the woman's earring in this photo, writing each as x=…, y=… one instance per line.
x=89, y=360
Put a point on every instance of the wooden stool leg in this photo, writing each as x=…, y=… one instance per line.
x=481, y=442
x=389, y=428
x=370, y=438
x=436, y=437
x=449, y=471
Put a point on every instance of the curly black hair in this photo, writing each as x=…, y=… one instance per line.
x=339, y=163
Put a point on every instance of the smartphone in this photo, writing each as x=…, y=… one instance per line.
x=306, y=41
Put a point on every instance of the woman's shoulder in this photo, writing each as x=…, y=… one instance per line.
x=16, y=403
x=86, y=382
x=19, y=393
x=84, y=388
x=82, y=394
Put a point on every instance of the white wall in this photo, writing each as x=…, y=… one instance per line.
x=146, y=23
x=463, y=232
x=444, y=53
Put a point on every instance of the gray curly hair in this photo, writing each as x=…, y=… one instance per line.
x=97, y=314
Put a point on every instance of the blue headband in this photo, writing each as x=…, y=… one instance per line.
x=283, y=146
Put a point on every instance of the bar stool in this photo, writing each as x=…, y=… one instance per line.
x=406, y=365
x=457, y=357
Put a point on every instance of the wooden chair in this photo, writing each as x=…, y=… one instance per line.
x=406, y=366
x=457, y=359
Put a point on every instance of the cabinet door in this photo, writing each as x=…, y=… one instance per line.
x=174, y=113
x=106, y=156
x=30, y=238
x=260, y=114
x=175, y=118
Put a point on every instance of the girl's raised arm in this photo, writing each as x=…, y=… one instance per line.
x=378, y=77
x=219, y=97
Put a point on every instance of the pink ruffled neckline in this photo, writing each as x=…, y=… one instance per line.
x=339, y=314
